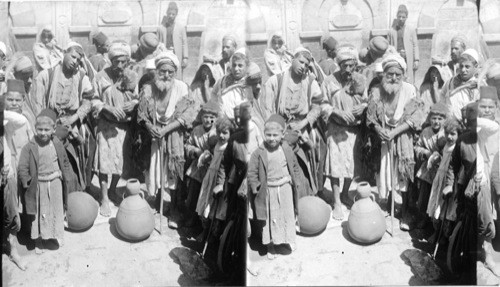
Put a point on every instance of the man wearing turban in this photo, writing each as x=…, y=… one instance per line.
x=462, y=89
x=404, y=38
x=394, y=114
x=116, y=87
x=173, y=35
x=162, y=114
x=344, y=105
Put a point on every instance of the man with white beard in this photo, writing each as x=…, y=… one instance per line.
x=394, y=114
x=160, y=113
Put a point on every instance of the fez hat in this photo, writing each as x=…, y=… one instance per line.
x=48, y=113
x=277, y=119
x=100, y=39
x=488, y=92
x=15, y=86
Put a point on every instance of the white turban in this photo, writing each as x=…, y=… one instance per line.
x=346, y=52
x=473, y=53
x=393, y=59
x=150, y=64
x=167, y=58
x=301, y=49
x=118, y=49
x=3, y=48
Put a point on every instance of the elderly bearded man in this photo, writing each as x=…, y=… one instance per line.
x=68, y=91
x=163, y=120
x=116, y=88
x=462, y=89
x=296, y=96
x=395, y=113
x=342, y=115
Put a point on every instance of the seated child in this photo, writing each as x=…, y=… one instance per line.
x=203, y=138
x=431, y=141
x=211, y=205
x=272, y=174
x=43, y=167
x=452, y=129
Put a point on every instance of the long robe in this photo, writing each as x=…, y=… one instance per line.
x=400, y=151
x=342, y=155
x=173, y=143
x=456, y=95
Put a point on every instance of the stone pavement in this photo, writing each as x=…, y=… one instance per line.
x=333, y=258
x=98, y=257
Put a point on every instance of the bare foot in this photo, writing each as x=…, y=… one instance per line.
x=14, y=257
x=293, y=246
x=337, y=213
x=105, y=210
x=252, y=270
x=489, y=263
x=271, y=253
x=39, y=247
x=404, y=226
x=172, y=224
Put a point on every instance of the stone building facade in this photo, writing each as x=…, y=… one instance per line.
x=302, y=22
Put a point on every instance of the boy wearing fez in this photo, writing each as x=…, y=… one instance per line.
x=45, y=173
x=272, y=176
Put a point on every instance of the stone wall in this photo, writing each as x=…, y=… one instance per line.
x=301, y=22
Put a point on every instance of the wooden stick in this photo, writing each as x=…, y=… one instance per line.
x=162, y=182
x=392, y=187
x=440, y=229
x=211, y=225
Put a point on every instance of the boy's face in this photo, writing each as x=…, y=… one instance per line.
x=487, y=108
x=14, y=102
x=239, y=69
x=467, y=70
x=207, y=120
x=273, y=134
x=451, y=136
x=224, y=135
x=436, y=122
x=45, y=128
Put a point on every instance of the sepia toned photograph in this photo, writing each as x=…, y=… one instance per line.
x=250, y=142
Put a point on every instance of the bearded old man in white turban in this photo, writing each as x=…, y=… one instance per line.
x=161, y=115
x=394, y=114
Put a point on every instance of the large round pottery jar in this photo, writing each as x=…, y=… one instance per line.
x=82, y=211
x=314, y=214
x=135, y=220
x=366, y=223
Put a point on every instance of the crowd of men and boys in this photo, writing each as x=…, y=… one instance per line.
x=229, y=146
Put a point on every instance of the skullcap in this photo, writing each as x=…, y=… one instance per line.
x=277, y=119
x=378, y=45
x=149, y=41
x=211, y=107
x=346, y=52
x=330, y=43
x=100, y=39
x=473, y=53
x=23, y=64
x=439, y=109
x=48, y=113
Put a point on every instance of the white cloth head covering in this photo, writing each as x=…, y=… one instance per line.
x=119, y=49
x=241, y=50
x=150, y=64
x=73, y=44
x=300, y=49
x=167, y=57
x=346, y=52
x=378, y=67
x=473, y=53
x=3, y=48
x=390, y=59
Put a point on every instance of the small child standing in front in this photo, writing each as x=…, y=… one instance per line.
x=43, y=167
x=202, y=140
x=272, y=174
x=211, y=204
x=452, y=130
x=430, y=142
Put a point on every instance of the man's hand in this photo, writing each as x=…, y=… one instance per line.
x=129, y=106
x=154, y=132
x=383, y=135
x=415, y=65
x=184, y=62
x=359, y=109
x=217, y=190
x=17, y=224
x=118, y=113
x=69, y=121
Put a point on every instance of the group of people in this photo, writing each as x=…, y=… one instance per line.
x=230, y=147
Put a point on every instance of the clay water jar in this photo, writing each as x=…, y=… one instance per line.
x=81, y=211
x=135, y=219
x=366, y=223
x=314, y=214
